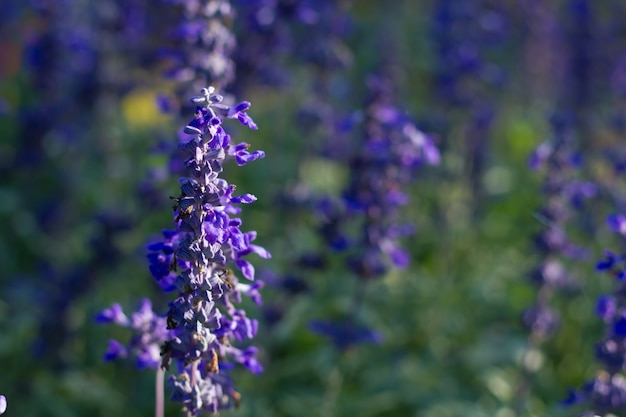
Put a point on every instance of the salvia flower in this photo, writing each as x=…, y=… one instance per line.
x=391, y=150
x=463, y=32
x=206, y=44
x=310, y=31
x=467, y=37
x=393, y=147
x=563, y=192
x=606, y=392
x=196, y=260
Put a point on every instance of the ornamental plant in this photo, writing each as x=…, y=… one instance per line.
x=605, y=394
x=197, y=260
x=564, y=194
x=390, y=151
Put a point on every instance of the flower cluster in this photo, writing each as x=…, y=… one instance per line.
x=467, y=35
x=392, y=148
x=606, y=393
x=464, y=31
x=563, y=192
x=194, y=260
x=148, y=334
x=206, y=44
x=260, y=59
x=558, y=159
x=312, y=31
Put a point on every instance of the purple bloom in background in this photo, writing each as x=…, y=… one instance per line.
x=3, y=404
x=563, y=194
x=383, y=164
x=464, y=31
x=312, y=31
x=393, y=147
x=468, y=35
x=606, y=392
x=204, y=45
x=606, y=307
x=542, y=320
x=617, y=223
x=64, y=60
x=345, y=334
x=318, y=31
x=269, y=36
x=583, y=61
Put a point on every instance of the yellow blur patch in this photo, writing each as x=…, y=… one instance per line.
x=140, y=110
x=523, y=138
x=323, y=175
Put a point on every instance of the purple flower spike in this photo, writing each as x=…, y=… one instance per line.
x=563, y=193
x=198, y=259
x=205, y=44
x=391, y=151
x=605, y=394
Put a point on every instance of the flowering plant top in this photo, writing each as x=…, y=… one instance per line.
x=195, y=259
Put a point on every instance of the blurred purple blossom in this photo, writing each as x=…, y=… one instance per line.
x=345, y=334
x=564, y=193
x=617, y=223
x=383, y=164
x=276, y=31
x=606, y=392
x=204, y=45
